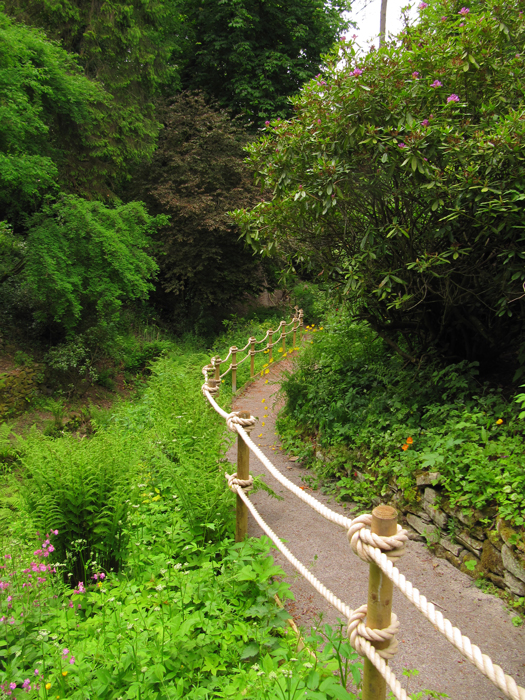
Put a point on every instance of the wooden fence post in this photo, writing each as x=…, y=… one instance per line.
x=217, y=364
x=283, y=331
x=243, y=472
x=252, y=358
x=234, y=369
x=380, y=589
x=270, y=344
x=301, y=324
x=294, y=332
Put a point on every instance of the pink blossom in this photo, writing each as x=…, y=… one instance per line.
x=26, y=683
x=266, y=123
x=436, y=84
x=443, y=19
x=102, y=576
x=50, y=548
x=422, y=5
x=65, y=652
x=36, y=671
x=354, y=36
x=12, y=686
x=357, y=72
x=453, y=98
x=71, y=604
x=7, y=556
x=55, y=532
x=464, y=11
x=72, y=660
x=415, y=74
x=318, y=121
x=343, y=38
x=402, y=145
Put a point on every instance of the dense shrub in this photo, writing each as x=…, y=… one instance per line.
x=400, y=180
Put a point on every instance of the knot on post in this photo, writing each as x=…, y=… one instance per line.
x=245, y=484
x=362, y=540
x=212, y=387
x=358, y=632
x=234, y=419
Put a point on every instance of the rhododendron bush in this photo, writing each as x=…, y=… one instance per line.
x=400, y=181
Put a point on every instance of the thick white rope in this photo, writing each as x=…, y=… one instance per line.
x=365, y=647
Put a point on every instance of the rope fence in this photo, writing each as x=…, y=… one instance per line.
x=375, y=538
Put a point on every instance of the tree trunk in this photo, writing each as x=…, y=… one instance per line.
x=382, y=22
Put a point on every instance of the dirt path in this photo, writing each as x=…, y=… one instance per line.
x=324, y=548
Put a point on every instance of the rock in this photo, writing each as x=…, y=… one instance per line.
x=419, y=514
x=498, y=581
x=441, y=552
x=428, y=479
x=319, y=455
x=414, y=537
x=491, y=558
x=468, y=518
x=513, y=584
x=430, y=496
x=514, y=563
x=438, y=516
x=511, y=537
x=494, y=538
x=376, y=501
x=473, y=573
x=430, y=532
x=451, y=547
x=473, y=545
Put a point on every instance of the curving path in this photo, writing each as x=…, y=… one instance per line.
x=324, y=548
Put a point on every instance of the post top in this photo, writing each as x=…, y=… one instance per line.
x=244, y=414
x=383, y=512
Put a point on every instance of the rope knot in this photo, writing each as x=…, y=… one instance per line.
x=234, y=419
x=245, y=484
x=359, y=633
x=362, y=540
x=212, y=387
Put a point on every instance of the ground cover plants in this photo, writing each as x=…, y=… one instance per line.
x=120, y=578
x=371, y=416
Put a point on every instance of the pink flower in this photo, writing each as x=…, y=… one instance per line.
x=436, y=83
x=318, y=121
x=402, y=145
x=354, y=36
x=26, y=684
x=72, y=660
x=453, y=98
x=415, y=74
x=71, y=604
x=443, y=19
x=424, y=122
x=102, y=576
x=65, y=652
x=357, y=72
x=12, y=686
x=55, y=532
x=422, y=5
x=266, y=123
x=50, y=548
x=343, y=38
x=464, y=11
x=7, y=556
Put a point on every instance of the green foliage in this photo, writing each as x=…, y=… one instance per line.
x=377, y=419
x=251, y=56
x=85, y=258
x=125, y=50
x=50, y=126
x=400, y=178
x=196, y=177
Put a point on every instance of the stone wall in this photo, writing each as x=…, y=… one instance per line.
x=16, y=390
x=496, y=550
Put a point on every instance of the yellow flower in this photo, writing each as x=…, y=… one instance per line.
x=499, y=421
x=48, y=686
x=266, y=382
x=280, y=349
x=223, y=381
x=285, y=354
x=267, y=372
x=271, y=360
x=263, y=400
x=266, y=365
x=260, y=435
x=64, y=673
x=263, y=423
x=321, y=328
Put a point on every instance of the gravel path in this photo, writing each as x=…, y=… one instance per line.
x=324, y=548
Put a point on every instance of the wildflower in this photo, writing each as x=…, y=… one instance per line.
x=443, y=19
x=425, y=122
x=266, y=123
x=261, y=435
x=36, y=671
x=464, y=11
x=266, y=382
x=436, y=84
x=409, y=441
x=280, y=350
x=263, y=401
x=401, y=145
x=318, y=121
x=264, y=423
x=12, y=686
x=404, y=448
x=26, y=684
x=453, y=98
x=48, y=686
x=72, y=660
x=357, y=72
x=266, y=372
x=64, y=673
x=499, y=421
x=422, y=5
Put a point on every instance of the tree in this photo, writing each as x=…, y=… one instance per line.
x=196, y=176
x=401, y=180
x=127, y=49
x=251, y=55
x=84, y=258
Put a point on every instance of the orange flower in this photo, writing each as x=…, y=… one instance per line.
x=409, y=441
x=405, y=447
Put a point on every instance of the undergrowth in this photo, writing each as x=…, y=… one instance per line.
x=369, y=418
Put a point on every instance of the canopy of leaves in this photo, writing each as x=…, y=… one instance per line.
x=50, y=129
x=83, y=258
x=252, y=55
x=124, y=47
x=196, y=176
x=402, y=180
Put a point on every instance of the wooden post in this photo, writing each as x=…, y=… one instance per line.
x=283, y=331
x=294, y=332
x=270, y=344
x=234, y=369
x=217, y=363
x=301, y=324
x=380, y=589
x=243, y=472
x=252, y=358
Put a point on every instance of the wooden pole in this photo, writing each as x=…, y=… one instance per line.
x=234, y=369
x=243, y=472
x=294, y=332
x=217, y=363
x=252, y=358
x=270, y=345
x=301, y=324
x=283, y=331
x=380, y=589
